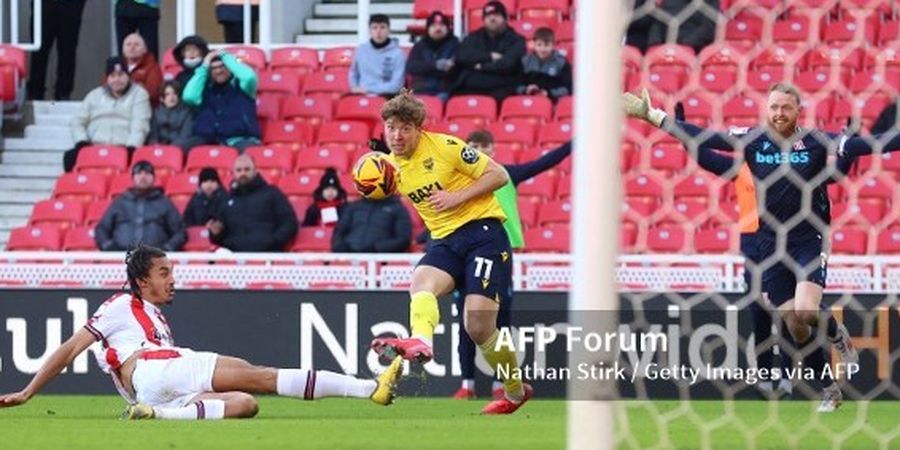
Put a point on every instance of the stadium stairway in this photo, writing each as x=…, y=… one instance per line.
x=31, y=164
x=334, y=21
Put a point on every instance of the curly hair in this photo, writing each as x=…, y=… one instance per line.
x=405, y=108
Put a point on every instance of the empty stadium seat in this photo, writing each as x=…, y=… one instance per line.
x=299, y=185
x=460, y=128
x=321, y=158
x=668, y=79
x=699, y=109
x=479, y=107
x=333, y=83
x=300, y=205
x=889, y=241
x=670, y=55
x=745, y=27
x=526, y=27
x=547, y=239
x=741, y=110
x=198, y=240
x=105, y=159
x=312, y=109
x=423, y=8
x=338, y=58
x=554, y=134
x=713, y=240
x=95, y=211
x=564, y=108
x=851, y=241
x=181, y=185
x=80, y=239
x=63, y=214
x=532, y=154
x=217, y=156
x=83, y=187
x=301, y=60
x=249, y=55
x=349, y=133
x=39, y=238
x=313, y=239
x=543, y=9
x=279, y=81
x=670, y=157
x=540, y=188
x=166, y=159
x=528, y=212
x=272, y=161
x=364, y=108
x=535, y=108
x=554, y=212
x=268, y=107
x=516, y=132
x=289, y=132
x=434, y=108
x=643, y=185
x=793, y=28
x=667, y=239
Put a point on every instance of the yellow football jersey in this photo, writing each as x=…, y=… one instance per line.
x=444, y=163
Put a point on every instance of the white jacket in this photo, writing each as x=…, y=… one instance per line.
x=104, y=119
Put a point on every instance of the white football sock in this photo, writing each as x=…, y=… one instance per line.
x=202, y=410
x=314, y=384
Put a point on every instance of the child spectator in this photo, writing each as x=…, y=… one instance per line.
x=208, y=200
x=173, y=121
x=546, y=72
x=330, y=199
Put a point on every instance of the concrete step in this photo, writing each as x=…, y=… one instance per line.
x=8, y=223
x=394, y=10
x=50, y=143
x=31, y=170
x=24, y=197
x=28, y=157
x=27, y=184
x=40, y=131
x=54, y=120
x=64, y=108
x=4, y=238
x=330, y=40
x=348, y=25
x=10, y=210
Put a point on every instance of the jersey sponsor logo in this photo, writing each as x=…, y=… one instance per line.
x=799, y=145
x=421, y=194
x=428, y=164
x=451, y=142
x=468, y=155
x=779, y=158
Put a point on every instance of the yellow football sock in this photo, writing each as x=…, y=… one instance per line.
x=424, y=315
x=506, y=358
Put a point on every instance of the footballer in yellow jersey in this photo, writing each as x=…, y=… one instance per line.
x=452, y=187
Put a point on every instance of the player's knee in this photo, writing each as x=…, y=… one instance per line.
x=245, y=405
x=477, y=329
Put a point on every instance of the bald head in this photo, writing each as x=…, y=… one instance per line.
x=244, y=170
x=134, y=48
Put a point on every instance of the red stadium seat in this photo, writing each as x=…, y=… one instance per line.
x=564, y=108
x=313, y=239
x=249, y=55
x=333, y=83
x=535, y=108
x=889, y=241
x=299, y=185
x=699, y=184
x=876, y=188
x=322, y=158
x=516, y=132
x=217, y=156
x=268, y=107
x=547, y=239
x=643, y=185
x=10, y=85
x=745, y=27
x=423, y=8
x=818, y=80
x=531, y=154
x=80, y=239
x=762, y=78
x=198, y=240
x=312, y=109
x=288, y=132
x=351, y=134
x=95, y=211
x=279, y=81
x=63, y=214
x=713, y=240
x=671, y=55
x=338, y=58
x=301, y=60
x=741, y=110
x=628, y=235
x=564, y=187
x=166, y=159
x=554, y=134
x=207, y=285
x=480, y=107
x=364, y=108
x=528, y=26
x=272, y=161
x=666, y=239
x=269, y=286
x=668, y=79
x=528, y=212
x=638, y=209
x=83, y=187
x=540, y=188
x=104, y=159
x=686, y=210
x=847, y=30
x=632, y=59
x=434, y=108
x=559, y=211
x=851, y=241
x=460, y=128
x=699, y=109
x=41, y=238
x=670, y=157
x=181, y=186
x=565, y=31
x=13, y=56
x=300, y=205
x=543, y=9
x=794, y=28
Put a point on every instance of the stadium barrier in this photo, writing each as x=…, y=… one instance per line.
x=332, y=330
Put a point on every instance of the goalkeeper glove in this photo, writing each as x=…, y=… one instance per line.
x=641, y=108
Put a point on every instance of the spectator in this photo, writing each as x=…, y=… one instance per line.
x=142, y=66
x=117, y=113
x=60, y=22
x=696, y=29
x=378, y=65
x=432, y=59
x=256, y=217
x=173, y=121
x=141, y=16
x=189, y=53
x=330, y=199
x=373, y=226
x=223, y=90
x=208, y=201
x=142, y=215
x=546, y=71
x=230, y=14
x=490, y=58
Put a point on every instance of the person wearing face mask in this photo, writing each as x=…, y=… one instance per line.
x=330, y=199
x=189, y=53
x=142, y=215
x=142, y=65
x=546, y=72
x=173, y=121
x=490, y=58
x=378, y=64
x=117, y=113
x=208, y=200
x=431, y=62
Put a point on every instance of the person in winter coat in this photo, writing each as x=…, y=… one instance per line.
x=257, y=217
x=373, y=226
x=142, y=66
x=378, y=65
x=173, y=121
x=490, y=58
x=330, y=200
x=208, y=201
x=546, y=72
x=432, y=60
x=117, y=113
x=189, y=53
x=142, y=215
x=223, y=90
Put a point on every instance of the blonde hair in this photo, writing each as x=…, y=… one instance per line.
x=786, y=88
x=405, y=108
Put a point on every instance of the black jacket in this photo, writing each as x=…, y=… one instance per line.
x=149, y=219
x=202, y=208
x=422, y=65
x=257, y=218
x=553, y=75
x=378, y=226
x=494, y=77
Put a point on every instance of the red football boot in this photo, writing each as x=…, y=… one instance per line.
x=507, y=406
x=412, y=349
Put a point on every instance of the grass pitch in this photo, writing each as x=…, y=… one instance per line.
x=90, y=422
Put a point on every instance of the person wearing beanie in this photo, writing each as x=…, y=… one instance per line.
x=329, y=200
x=116, y=113
x=207, y=201
x=490, y=58
x=378, y=64
x=141, y=215
x=189, y=53
x=432, y=60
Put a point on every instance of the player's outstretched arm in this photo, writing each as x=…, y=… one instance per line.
x=642, y=108
x=493, y=178
x=858, y=146
x=62, y=357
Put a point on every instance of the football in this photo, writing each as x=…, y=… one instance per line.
x=375, y=176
